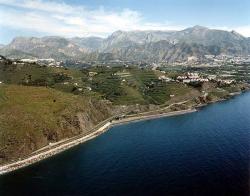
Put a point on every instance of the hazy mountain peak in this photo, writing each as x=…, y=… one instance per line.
x=117, y=33
x=137, y=45
x=237, y=34
x=198, y=27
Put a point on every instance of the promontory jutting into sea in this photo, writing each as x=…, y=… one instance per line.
x=124, y=98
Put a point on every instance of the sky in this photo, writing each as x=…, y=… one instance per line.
x=83, y=18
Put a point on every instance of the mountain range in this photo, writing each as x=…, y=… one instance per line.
x=153, y=46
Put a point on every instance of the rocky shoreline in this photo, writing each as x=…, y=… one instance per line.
x=58, y=149
x=108, y=123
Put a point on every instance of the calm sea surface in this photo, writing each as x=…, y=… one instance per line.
x=203, y=153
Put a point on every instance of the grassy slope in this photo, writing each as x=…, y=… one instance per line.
x=50, y=107
x=122, y=86
x=134, y=86
x=31, y=117
x=44, y=109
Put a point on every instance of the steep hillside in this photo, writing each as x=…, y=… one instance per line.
x=13, y=53
x=40, y=105
x=32, y=117
x=45, y=47
x=169, y=46
x=88, y=43
x=173, y=46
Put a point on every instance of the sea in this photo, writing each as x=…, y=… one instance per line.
x=205, y=153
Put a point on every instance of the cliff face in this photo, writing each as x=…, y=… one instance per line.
x=33, y=117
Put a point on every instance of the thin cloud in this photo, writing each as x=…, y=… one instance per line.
x=66, y=20
x=244, y=30
x=59, y=18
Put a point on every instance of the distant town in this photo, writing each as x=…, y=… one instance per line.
x=224, y=69
x=210, y=61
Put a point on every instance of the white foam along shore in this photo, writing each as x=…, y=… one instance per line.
x=55, y=150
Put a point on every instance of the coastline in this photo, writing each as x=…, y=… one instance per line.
x=76, y=140
x=7, y=168
x=152, y=116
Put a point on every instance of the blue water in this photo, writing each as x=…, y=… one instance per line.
x=203, y=153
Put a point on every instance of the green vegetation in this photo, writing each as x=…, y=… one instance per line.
x=122, y=86
x=132, y=85
x=31, y=117
x=218, y=94
x=40, y=105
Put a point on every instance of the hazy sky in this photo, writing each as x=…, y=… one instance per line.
x=102, y=17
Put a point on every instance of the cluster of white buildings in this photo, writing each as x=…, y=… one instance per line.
x=47, y=62
x=191, y=77
x=223, y=58
x=210, y=60
x=165, y=78
x=227, y=82
x=195, y=77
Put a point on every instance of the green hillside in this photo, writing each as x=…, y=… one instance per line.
x=40, y=105
x=32, y=117
x=119, y=85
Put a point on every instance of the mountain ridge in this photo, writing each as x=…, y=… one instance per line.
x=154, y=45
